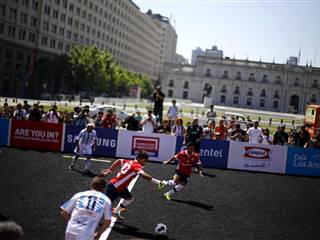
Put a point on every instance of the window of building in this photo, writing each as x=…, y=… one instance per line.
x=225, y=75
x=47, y=10
x=275, y=104
x=84, y=14
x=35, y=4
x=45, y=25
x=44, y=41
x=57, y=2
x=251, y=78
x=22, y=34
x=276, y=94
x=54, y=28
x=185, y=95
x=13, y=14
x=315, y=83
x=60, y=45
x=2, y=10
x=55, y=14
x=33, y=21
x=278, y=79
x=186, y=85
x=23, y=17
x=170, y=93
x=249, y=101
x=250, y=92
x=237, y=90
x=262, y=103
x=296, y=82
x=61, y=31
x=75, y=37
x=78, y=10
x=63, y=17
x=265, y=78
x=52, y=43
x=71, y=7
x=68, y=34
x=64, y=3
x=222, y=99
x=11, y=31
x=208, y=72
x=9, y=54
x=224, y=89
x=235, y=100
x=313, y=98
x=263, y=93
x=32, y=37
x=171, y=83
x=25, y=3
x=1, y=28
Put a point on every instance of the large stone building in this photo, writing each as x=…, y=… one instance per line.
x=30, y=29
x=243, y=83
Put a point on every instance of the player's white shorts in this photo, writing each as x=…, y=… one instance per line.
x=85, y=150
x=72, y=236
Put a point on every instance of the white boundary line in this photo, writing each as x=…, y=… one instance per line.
x=92, y=159
x=106, y=233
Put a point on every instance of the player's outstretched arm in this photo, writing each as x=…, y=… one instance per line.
x=106, y=171
x=104, y=227
x=66, y=216
x=170, y=160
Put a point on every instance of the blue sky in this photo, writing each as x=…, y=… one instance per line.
x=270, y=29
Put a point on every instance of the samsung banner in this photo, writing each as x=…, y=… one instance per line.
x=106, y=143
x=214, y=153
x=303, y=161
x=257, y=157
x=160, y=147
x=4, y=130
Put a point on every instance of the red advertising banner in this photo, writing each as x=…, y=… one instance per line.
x=36, y=135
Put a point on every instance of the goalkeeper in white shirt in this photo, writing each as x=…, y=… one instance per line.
x=84, y=211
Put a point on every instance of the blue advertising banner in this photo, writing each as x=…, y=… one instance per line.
x=214, y=153
x=4, y=127
x=303, y=161
x=106, y=144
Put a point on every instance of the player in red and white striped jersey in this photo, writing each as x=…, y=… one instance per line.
x=117, y=186
x=186, y=160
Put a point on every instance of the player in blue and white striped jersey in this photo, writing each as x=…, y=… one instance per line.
x=85, y=144
x=84, y=211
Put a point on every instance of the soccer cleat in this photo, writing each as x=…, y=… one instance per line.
x=71, y=167
x=167, y=196
x=118, y=214
x=162, y=184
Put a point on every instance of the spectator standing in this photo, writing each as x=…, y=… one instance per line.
x=98, y=119
x=172, y=113
x=178, y=128
x=149, y=122
x=315, y=141
x=53, y=116
x=138, y=116
x=255, y=133
x=209, y=131
x=109, y=120
x=19, y=113
x=211, y=113
x=35, y=113
x=132, y=123
x=280, y=137
x=222, y=130
x=304, y=137
x=158, y=98
x=194, y=134
x=238, y=135
x=266, y=137
x=81, y=119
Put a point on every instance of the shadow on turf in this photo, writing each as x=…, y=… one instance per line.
x=90, y=174
x=134, y=232
x=194, y=204
x=205, y=174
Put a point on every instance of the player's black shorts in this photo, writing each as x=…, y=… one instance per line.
x=183, y=178
x=113, y=194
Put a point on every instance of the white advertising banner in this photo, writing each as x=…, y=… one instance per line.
x=160, y=147
x=257, y=157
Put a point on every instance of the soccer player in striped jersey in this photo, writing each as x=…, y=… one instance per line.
x=85, y=144
x=84, y=211
x=129, y=169
x=186, y=160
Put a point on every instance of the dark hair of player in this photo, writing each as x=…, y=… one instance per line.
x=10, y=230
x=98, y=183
x=189, y=144
x=142, y=154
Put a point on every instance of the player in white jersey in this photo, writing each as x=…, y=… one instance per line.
x=85, y=143
x=84, y=211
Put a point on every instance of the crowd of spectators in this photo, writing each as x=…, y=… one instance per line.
x=215, y=129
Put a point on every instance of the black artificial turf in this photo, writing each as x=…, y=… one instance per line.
x=222, y=205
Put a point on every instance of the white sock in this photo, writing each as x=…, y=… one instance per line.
x=87, y=164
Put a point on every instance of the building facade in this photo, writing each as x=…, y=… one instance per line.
x=30, y=29
x=195, y=53
x=243, y=83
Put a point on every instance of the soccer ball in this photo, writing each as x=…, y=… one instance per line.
x=160, y=229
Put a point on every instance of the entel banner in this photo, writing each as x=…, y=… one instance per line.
x=106, y=142
x=36, y=135
x=214, y=153
x=4, y=129
x=160, y=147
x=303, y=161
x=257, y=157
